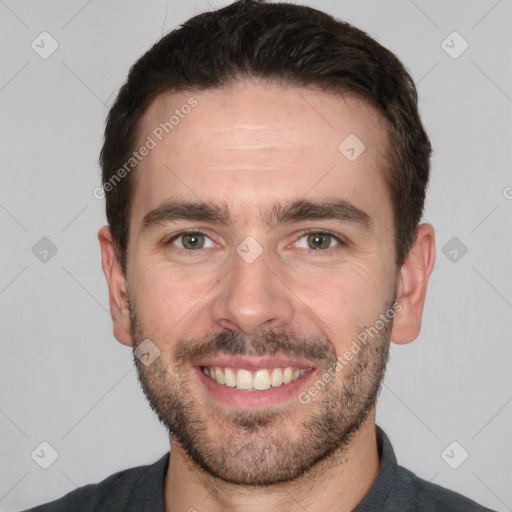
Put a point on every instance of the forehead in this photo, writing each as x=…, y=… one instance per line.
x=255, y=144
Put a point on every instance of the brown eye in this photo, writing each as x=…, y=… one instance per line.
x=319, y=240
x=191, y=241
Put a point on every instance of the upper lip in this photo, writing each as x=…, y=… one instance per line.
x=254, y=363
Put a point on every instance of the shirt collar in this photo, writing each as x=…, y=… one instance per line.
x=148, y=493
x=378, y=493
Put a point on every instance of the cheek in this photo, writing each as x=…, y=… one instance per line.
x=342, y=303
x=168, y=301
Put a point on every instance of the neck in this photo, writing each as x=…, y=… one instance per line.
x=339, y=482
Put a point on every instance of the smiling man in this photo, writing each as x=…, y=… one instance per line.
x=265, y=168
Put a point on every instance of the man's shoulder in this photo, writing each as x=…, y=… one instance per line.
x=109, y=495
x=423, y=496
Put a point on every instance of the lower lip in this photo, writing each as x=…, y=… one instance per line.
x=247, y=399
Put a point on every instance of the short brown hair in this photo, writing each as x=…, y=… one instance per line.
x=291, y=44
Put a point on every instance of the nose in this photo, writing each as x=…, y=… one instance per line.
x=252, y=298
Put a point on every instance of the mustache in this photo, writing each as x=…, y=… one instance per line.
x=273, y=343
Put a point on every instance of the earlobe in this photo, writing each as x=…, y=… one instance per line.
x=116, y=280
x=412, y=285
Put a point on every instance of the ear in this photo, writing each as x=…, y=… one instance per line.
x=116, y=280
x=412, y=286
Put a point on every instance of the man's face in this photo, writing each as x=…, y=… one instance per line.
x=257, y=293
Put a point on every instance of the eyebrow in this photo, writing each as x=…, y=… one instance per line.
x=339, y=210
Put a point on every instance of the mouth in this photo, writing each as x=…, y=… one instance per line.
x=243, y=381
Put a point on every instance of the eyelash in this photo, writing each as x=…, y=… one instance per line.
x=315, y=252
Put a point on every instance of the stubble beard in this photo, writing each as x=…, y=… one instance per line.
x=255, y=447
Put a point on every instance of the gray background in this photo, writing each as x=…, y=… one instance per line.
x=66, y=381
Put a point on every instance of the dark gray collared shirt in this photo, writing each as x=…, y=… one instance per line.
x=141, y=489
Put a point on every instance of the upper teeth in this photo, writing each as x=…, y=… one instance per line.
x=257, y=380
